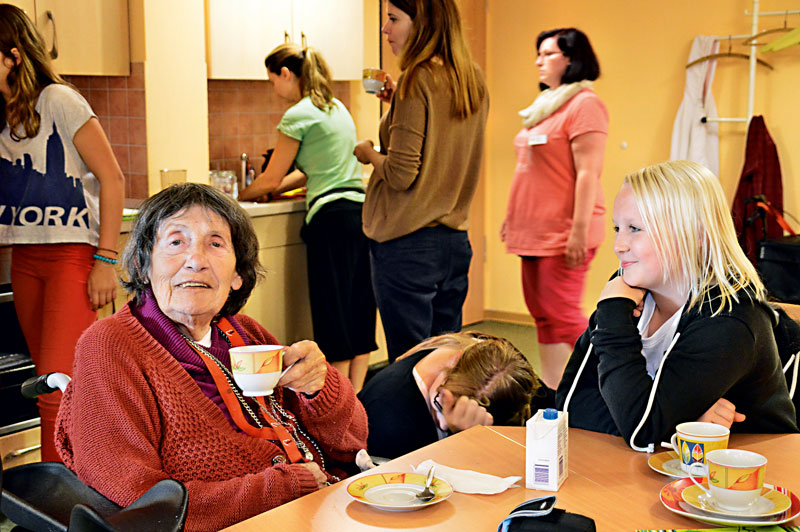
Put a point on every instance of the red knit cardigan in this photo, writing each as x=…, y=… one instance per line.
x=133, y=416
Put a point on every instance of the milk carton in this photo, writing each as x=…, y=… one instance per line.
x=546, y=454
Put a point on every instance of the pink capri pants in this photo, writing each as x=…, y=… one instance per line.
x=553, y=293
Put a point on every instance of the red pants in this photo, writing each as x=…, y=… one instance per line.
x=53, y=308
x=553, y=294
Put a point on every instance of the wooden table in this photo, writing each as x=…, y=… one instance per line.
x=607, y=481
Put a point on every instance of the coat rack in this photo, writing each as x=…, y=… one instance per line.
x=751, y=91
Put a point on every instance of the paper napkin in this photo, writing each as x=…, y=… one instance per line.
x=466, y=481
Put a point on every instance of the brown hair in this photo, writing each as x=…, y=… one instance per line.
x=310, y=68
x=492, y=371
x=436, y=35
x=26, y=79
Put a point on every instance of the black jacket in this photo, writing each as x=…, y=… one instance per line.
x=731, y=355
x=398, y=416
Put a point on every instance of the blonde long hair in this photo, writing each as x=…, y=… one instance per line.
x=436, y=35
x=310, y=68
x=685, y=213
x=26, y=79
x=490, y=370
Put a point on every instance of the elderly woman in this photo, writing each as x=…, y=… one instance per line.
x=144, y=406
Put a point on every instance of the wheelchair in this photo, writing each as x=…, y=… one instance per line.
x=48, y=497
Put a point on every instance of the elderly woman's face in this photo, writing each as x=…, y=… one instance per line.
x=193, y=267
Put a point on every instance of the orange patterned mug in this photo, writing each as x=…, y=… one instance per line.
x=735, y=478
x=257, y=368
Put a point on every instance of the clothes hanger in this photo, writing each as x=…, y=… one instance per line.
x=729, y=53
x=784, y=41
x=753, y=38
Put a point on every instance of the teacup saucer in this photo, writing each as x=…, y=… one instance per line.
x=769, y=503
x=667, y=463
x=397, y=491
x=671, y=497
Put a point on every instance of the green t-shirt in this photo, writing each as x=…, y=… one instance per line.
x=327, y=139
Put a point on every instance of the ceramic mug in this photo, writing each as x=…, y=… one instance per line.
x=257, y=368
x=693, y=440
x=373, y=80
x=735, y=478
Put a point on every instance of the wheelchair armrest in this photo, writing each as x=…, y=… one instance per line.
x=162, y=508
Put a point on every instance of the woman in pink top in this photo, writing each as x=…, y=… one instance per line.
x=554, y=220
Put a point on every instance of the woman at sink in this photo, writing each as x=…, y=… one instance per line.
x=318, y=134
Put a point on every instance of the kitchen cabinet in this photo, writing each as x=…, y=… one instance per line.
x=21, y=447
x=90, y=36
x=240, y=34
x=280, y=301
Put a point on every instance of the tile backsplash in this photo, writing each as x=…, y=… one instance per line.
x=242, y=117
x=118, y=102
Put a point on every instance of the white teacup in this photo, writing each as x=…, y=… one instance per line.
x=693, y=441
x=257, y=368
x=735, y=478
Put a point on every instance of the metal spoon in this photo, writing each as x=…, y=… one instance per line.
x=426, y=494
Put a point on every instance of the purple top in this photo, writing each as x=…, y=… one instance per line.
x=166, y=333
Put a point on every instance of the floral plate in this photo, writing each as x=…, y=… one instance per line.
x=397, y=491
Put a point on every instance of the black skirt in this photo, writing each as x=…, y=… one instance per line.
x=343, y=307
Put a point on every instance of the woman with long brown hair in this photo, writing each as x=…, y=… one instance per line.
x=61, y=196
x=317, y=134
x=425, y=175
x=447, y=384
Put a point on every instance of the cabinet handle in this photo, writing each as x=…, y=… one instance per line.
x=54, y=49
x=303, y=40
x=21, y=452
x=285, y=36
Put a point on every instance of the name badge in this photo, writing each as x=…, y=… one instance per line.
x=536, y=140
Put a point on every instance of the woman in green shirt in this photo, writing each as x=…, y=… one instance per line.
x=318, y=135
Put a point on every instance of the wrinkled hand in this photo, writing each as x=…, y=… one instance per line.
x=617, y=287
x=308, y=374
x=576, y=250
x=102, y=285
x=362, y=149
x=462, y=413
x=319, y=476
x=388, y=90
x=723, y=412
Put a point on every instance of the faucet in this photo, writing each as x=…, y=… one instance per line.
x=243, y=173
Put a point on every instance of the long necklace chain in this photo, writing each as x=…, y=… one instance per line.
x=229, y=378
x=291, y=422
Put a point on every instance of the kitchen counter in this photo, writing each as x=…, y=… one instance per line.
x=283, y=206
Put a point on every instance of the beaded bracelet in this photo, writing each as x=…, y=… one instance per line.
x=105, y=259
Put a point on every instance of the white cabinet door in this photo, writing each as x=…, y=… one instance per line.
x=240, y=34
x=335, y=28
x=92, y=35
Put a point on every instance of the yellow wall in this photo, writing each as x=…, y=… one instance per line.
x=643, y=48
x=175, y=89
x=366, y=108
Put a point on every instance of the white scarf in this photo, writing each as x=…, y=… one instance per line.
x=550, y=101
